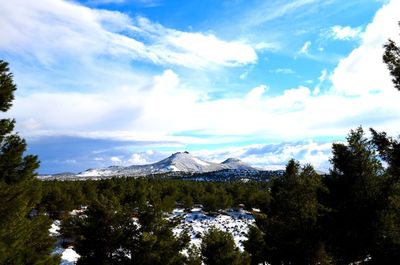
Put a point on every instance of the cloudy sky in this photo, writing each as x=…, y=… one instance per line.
x=121, y=82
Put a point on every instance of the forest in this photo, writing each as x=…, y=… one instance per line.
x=349, y=216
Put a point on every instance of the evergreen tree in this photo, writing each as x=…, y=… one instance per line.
x=104, y=234
x=218, y=248
x=23, y=240
x=391, y=58
x=387, y=250
x=292, y=233
x=255, y=245
x=355, y=198
x=110, y=235
x=157, y=243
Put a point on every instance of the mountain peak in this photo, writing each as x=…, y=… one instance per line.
x=181, y=153
x=232, y=160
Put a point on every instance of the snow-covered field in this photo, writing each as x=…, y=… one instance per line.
x=195, y=222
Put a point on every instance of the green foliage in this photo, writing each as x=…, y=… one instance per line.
x=355, y=198
x=7, y=87
x=292, y=230
x=255, y=245
x=387, y=249
x=218, y=248
x=23, y=240
x=110, y=235
x=102, y=235
x=391, y=58
x=162, y=194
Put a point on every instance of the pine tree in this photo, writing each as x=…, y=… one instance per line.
x=218, y=248
x=355, y=198
x=109, y=235
x=387, y=249
x=255, y=245
x=292, y=233
x=391, y=58
x=23, y=240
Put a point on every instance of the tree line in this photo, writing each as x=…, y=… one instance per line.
x=349, y=215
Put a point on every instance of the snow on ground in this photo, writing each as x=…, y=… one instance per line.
x=68, y=255
x=55, y=228
x=196, y=223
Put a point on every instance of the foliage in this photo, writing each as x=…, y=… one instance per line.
x=110, y=234
x=291, y=230
x=218, y=248
x=355, y=198
x=255, y=245
x=23, y=240
x=387, y=249
x=391, y=58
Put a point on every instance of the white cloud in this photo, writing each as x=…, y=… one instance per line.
x=255, y=95
x=261, y=46
x=137, y=159
x=323, y=76
x=169, y=106
x=116, y=160
x=305, y=48
x=270, y=11
x=80, y=32
x=159, y=109
x=338, y=32
x=286, y=71
x=363, y=71
x=275, y=156
x=202, y=49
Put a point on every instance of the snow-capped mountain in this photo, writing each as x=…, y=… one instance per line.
x=182, y=162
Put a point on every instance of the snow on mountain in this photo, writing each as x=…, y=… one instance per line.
x=182, y=162
x=237, y=164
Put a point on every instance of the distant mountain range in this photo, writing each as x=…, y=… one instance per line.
x=181, y=164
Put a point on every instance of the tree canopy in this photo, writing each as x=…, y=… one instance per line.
x=391, y=58
x=23, y=240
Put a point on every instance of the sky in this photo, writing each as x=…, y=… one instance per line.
x=123, y=82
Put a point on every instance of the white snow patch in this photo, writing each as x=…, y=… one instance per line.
x=55, y=228
x=200, y=162
x=197, y=223
x=69, y=257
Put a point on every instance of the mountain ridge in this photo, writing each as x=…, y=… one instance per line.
x=182, y=162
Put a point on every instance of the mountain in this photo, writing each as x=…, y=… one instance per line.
x=182, y=162
x=237, y=164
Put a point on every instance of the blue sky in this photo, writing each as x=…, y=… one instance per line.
x=104, y=82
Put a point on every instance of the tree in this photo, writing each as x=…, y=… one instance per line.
x=355, y=198
x=157, y=243
x=387, y=250
x=391, y=58
x=218, y=248
x=103, y=235
x=291, y=231
x=23, y=240
x=255, y=245
x=110, y=235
